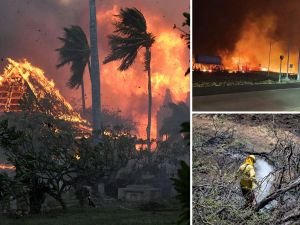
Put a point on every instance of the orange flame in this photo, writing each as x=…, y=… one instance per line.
x=7, y=167
x=127, y=90
x=40, y=86
x=252, y=51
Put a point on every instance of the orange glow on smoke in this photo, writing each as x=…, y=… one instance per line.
x=127, y=90
x=252, y=50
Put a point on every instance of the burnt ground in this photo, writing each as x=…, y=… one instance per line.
x=255, y=130
x=220, y=143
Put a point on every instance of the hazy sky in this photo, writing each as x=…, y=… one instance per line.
x=29, y=29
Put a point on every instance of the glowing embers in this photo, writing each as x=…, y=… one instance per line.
x=7, y=167
x=243, y=65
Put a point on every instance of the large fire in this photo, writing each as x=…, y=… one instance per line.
x=127, y=90
x=40, y=85
x=124, y=92
x=255, y=50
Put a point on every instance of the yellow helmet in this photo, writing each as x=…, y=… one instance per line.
x=252, y=157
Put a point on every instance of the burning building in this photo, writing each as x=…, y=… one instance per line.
x=25, y=87
x=21, y=82
x=207, y=63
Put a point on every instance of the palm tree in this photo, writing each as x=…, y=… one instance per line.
x=75, y=51
x=184, y=34
x=95, y=72
x=129, y=37
x=182, y=186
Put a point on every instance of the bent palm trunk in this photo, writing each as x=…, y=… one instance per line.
x=83, y=97
x=148, y=62
x=95, y=72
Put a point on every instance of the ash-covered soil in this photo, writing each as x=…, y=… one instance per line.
x=258, y=132
x=220, y=144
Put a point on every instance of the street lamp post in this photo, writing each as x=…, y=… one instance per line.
x=269, y=58
x=281, y=58
x=298, y=75
x=288, y=63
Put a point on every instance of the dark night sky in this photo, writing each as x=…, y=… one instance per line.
x=218, y=24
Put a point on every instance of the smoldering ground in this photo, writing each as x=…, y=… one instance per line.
x=221, y=143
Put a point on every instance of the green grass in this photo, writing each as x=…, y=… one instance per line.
x=88, y=216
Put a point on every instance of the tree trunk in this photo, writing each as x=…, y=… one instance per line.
x=62, y=203
x=90, y=70
x=95, y=72
x=83, y=97
x=148, y=67
x=293, y=184
x=35, y=204
x=57, y=197
x=294, y=217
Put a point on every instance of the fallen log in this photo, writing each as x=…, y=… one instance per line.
x=293, y=184
x=292, y=217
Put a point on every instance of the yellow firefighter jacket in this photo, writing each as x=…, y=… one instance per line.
x=247, y=174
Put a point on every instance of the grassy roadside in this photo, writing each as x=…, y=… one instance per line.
x=225, y=79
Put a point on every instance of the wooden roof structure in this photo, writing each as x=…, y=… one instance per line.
x=20, y=78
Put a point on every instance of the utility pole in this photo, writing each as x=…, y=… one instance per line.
x=269, y=58
x=281, y=58
x=288, y=63
x=298, y=75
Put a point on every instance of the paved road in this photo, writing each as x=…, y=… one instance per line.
x=271, y=100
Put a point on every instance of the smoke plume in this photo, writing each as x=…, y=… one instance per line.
x=29, y=29
x=218, y=25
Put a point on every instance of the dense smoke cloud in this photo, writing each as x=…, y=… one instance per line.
x=219, y=24
x=29, y=29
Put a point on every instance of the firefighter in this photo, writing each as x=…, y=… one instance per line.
x=248, y=182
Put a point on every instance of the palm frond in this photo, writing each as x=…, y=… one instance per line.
x=131, y=21
x=75, y=51
x=130, y=35
x=77, y=74
x=182, y=186
x=124, y=49
x=187, y=19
